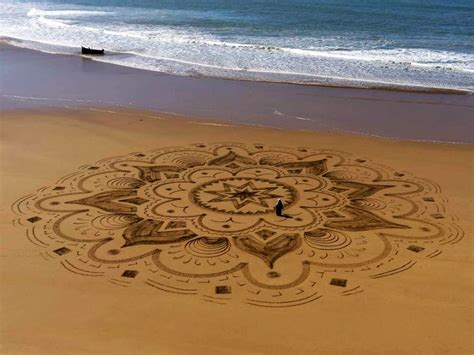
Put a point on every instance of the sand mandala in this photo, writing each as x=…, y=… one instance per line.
x=199, y=221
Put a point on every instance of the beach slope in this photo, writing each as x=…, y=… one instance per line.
x=52, y=307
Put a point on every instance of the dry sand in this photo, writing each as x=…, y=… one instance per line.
x=426, y=309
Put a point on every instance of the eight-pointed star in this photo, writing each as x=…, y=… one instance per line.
x=243, y=195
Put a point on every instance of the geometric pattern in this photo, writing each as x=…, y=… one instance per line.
x=199, y=220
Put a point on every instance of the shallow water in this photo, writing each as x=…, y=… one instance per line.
x=334, y=42
x=36, y=80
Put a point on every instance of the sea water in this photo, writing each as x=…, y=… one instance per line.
x=428, y=44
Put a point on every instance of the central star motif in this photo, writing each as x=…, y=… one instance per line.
x=200, y=220
x=244, y=194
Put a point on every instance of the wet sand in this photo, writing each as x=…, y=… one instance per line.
x=46, y=309
x=32, y=79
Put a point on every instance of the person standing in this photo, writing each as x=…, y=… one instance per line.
x=279, y=208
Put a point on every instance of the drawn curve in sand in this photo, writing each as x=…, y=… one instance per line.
x=199, y=221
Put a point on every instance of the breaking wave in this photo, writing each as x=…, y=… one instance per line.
x=163, y=41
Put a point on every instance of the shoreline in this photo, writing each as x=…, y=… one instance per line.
x=237, y=177
x=33, y=79
x=319, y=81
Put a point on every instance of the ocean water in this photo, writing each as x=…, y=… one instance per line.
x=417, y=43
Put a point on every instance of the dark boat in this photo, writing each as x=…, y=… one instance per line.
x=92, y=51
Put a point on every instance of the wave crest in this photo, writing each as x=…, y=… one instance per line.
x=33, y=12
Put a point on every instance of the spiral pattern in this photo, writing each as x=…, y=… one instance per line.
x=114, y=221
x=369, y=203
x=125, y=182
x=326, y=239
x=342, y=175
x=205, y=247
x=189, y=161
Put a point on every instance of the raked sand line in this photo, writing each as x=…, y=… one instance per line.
x=198, y=221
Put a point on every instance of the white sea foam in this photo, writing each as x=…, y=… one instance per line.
x=53, y=23
x=401, y=55
x=192, y=51
x=278, y=113
x=65, y=13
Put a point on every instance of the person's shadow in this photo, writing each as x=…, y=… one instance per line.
x=284, y=215
x=279, y=210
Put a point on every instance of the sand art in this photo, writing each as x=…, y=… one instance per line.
x=198, y=220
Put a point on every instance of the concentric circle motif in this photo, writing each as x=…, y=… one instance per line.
x=199, y=220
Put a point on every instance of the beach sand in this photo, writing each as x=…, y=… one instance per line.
x=46, y=309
